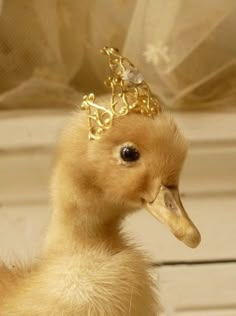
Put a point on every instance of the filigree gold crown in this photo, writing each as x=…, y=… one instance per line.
x=129, y=93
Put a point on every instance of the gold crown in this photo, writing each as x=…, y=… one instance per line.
x=130, y=93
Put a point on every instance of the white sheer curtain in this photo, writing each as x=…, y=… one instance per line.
x=49, y=49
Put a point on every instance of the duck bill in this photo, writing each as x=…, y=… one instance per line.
x=168, y=209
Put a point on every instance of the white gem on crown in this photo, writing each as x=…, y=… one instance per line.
x=133, y=76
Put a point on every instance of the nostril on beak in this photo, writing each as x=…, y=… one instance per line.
x=143, y=201
x=170, y=205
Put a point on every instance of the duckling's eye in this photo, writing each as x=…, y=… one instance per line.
x=129, y=153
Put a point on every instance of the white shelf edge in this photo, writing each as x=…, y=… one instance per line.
x=41, y=129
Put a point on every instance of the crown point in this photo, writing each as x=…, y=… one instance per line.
x=114, y=50
x=108, y=51
x=91, y=97
x=104, y=50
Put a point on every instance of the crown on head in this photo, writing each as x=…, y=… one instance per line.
x=129, y=93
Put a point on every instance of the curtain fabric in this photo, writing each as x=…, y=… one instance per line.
x=49, y=50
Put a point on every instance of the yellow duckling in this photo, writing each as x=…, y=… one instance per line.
x=88, y=267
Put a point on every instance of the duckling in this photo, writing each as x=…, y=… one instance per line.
x=87, y=265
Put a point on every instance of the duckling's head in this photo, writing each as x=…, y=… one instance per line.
x=135, y=164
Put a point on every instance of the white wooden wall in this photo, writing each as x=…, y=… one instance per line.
x=192, y=282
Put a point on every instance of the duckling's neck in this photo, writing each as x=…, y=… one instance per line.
x=78, y=221
x=68, y=232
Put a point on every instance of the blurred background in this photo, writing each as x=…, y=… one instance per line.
x=49, y=57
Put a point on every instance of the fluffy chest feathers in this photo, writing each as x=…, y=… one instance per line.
x=115, y=284
x=92, y=282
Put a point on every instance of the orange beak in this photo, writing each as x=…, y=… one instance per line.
x=168, y=209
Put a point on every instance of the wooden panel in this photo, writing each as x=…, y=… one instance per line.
x=22, y=228
x=40, y=128
x=198, y=290
x=30, y=129
x=25, y=176
x=209, y=170
x=207, y=127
